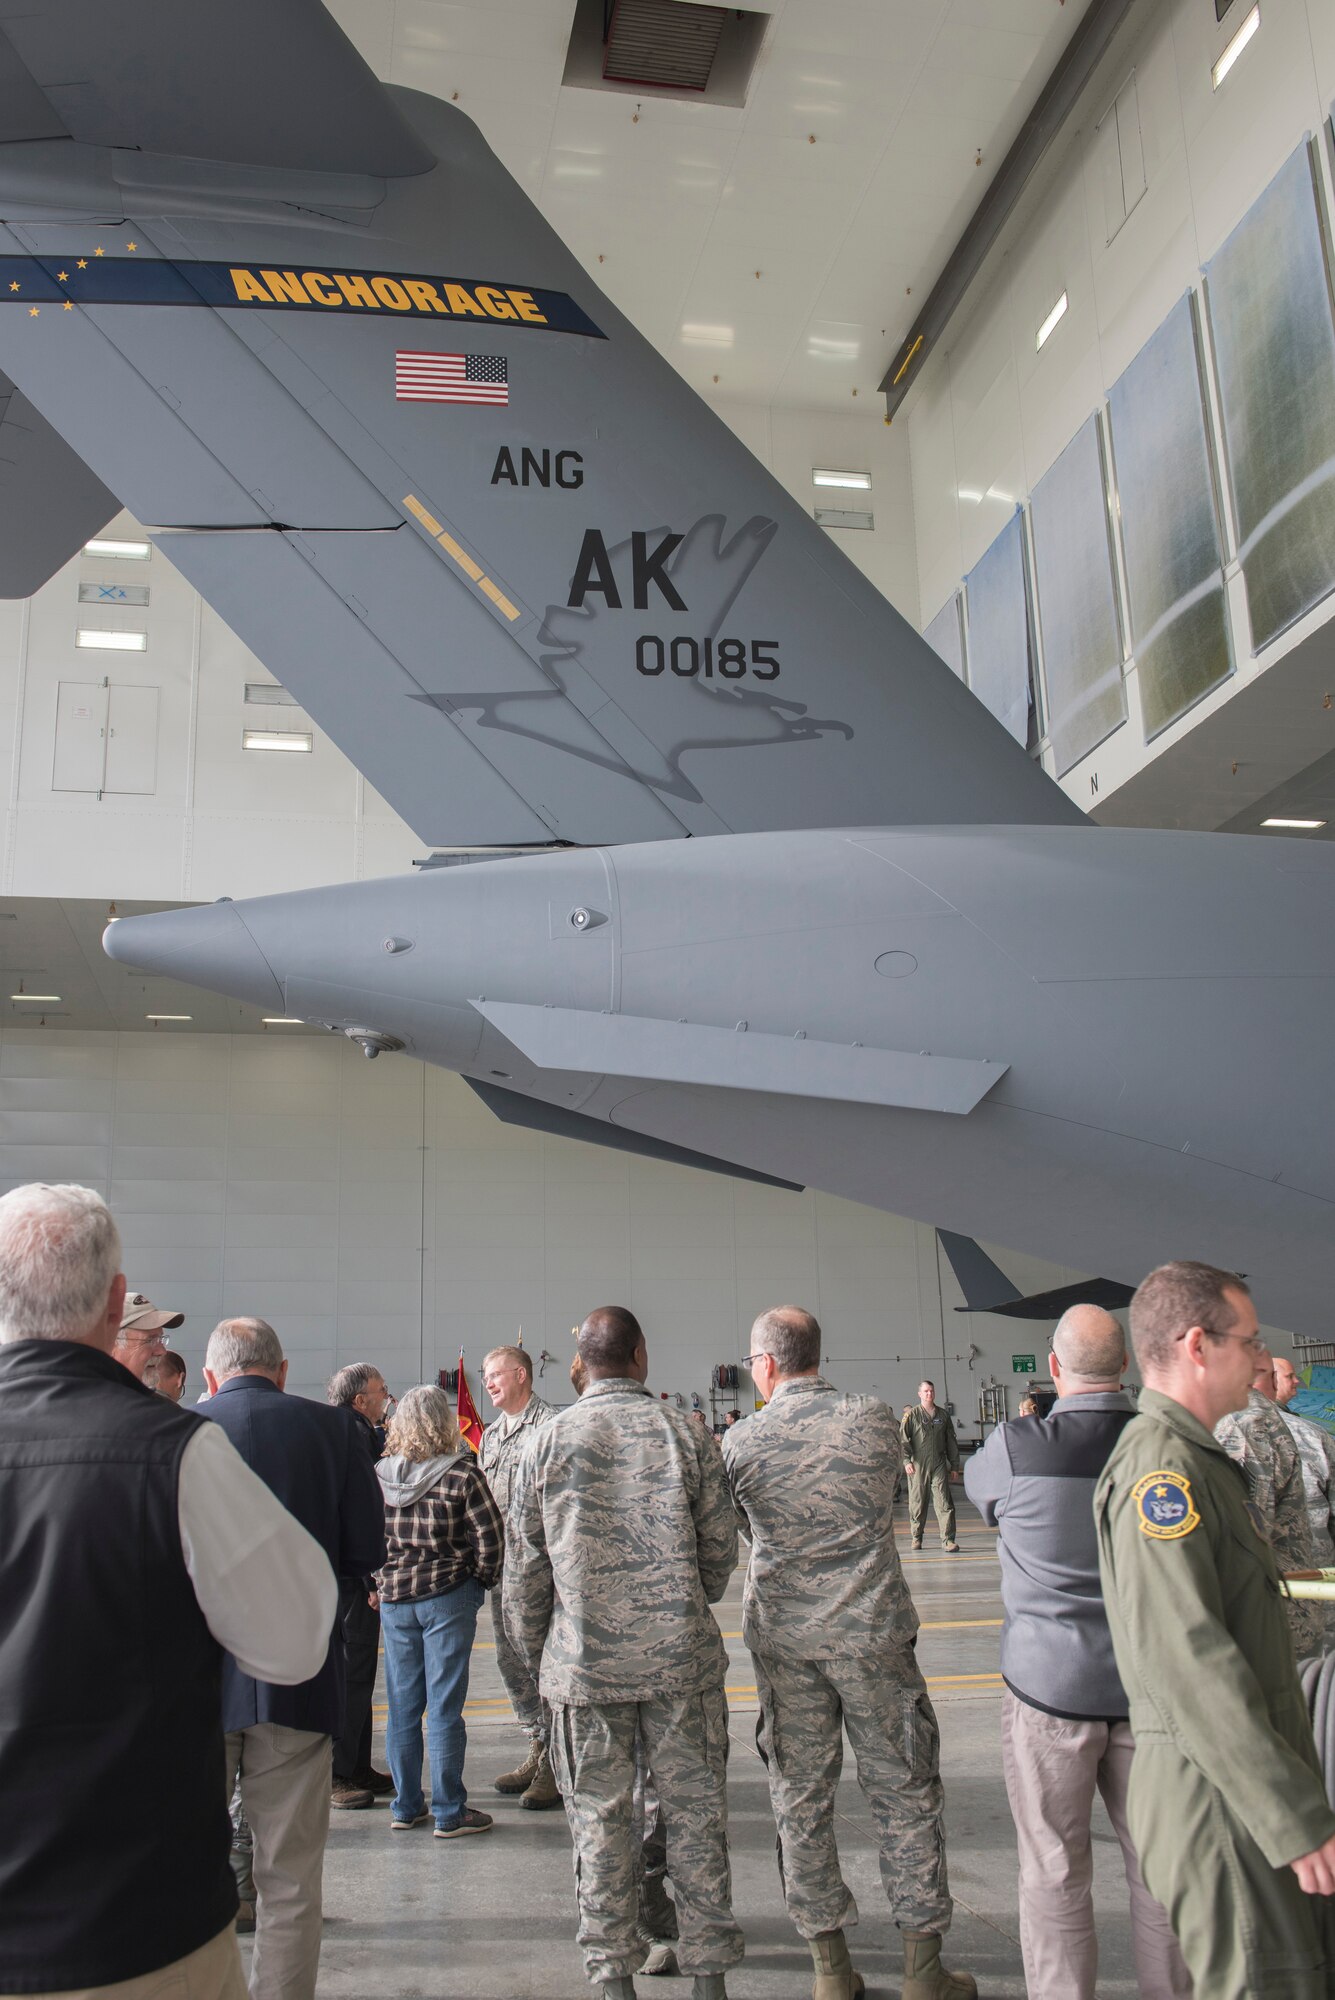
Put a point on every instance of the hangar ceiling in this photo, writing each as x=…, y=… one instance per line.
x=768, y=251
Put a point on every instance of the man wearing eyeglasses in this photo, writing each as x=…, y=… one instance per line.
x=1227, y=1807
x=142, y=1340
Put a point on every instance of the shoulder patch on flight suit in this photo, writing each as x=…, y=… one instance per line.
x=1164, y=1506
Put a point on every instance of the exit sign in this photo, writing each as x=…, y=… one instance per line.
x=1022, y=1364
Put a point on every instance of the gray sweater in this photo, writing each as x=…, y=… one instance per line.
x=1034, y=1479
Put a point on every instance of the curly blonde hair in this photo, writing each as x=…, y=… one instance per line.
x=424, y=1425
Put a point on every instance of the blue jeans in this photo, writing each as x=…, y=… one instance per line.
x=428, y=1641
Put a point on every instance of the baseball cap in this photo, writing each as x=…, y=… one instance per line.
x=141, y=1313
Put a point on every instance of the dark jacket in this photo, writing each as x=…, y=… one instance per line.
x=314, y=1459
x=113, y=1843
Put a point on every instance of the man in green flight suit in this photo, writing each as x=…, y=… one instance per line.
x=931, y=1457
x=1227, y=1807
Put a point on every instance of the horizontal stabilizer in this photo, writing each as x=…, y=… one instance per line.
x=986, y=1287
x=513, y=1109
x=1105, y=1292
x=50, y=503
x=254, y=83
x=680, y=1052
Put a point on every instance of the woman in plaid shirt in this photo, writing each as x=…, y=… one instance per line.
x=444, y=1547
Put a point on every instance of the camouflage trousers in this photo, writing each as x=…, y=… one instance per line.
x=528, y=1705
x=881, y=1700
x=685, y=1740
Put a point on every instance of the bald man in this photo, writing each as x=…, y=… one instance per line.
x=1065, y=1733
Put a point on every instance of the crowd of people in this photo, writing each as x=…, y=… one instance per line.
x=196, y=1599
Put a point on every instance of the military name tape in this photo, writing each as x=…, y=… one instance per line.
x=1164, y=1506
x=94, y=279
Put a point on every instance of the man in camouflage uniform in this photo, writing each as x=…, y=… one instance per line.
x=1227, y=1806
x=1316, y=1449
x=1258, y=1439
x=830, y=1625
x=507, y=1377
x=621, y=1537
x=931, y=1455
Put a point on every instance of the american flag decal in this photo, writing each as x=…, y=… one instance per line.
x=450, y=378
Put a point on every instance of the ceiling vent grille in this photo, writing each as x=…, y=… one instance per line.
x=664, y=48
x=663, y=44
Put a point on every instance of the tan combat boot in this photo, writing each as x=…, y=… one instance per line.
x=835, y=1978
x=541, y=1794
x=925, y=1978
x=522, y=1777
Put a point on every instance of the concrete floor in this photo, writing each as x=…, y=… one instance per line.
x=406, y=1915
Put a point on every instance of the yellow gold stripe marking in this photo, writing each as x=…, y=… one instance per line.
x=415, y=507
x=460, y=555
x=498, y=597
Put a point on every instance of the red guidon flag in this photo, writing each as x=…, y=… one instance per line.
x=470, y=1423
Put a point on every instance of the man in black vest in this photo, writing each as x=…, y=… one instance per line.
x=134, y=1547
x=279, y=1738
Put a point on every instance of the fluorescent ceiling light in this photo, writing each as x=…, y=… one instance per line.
x=169, y=1017
x=267, y=694
x=862, y=480
x=47, y=999
x=1235, y=48
x=283, y=1021
x=1298, y=825
x=1052, y=319
x=275, y=739
x=696, y=335
x=128, y=551
x=111, y=642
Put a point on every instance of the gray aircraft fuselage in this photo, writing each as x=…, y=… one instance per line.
x=1108, y=1048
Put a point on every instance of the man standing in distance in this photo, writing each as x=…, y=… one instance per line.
x=136, y=1547
x=830, y=1624
x=1259, y=1441
x=1228, y=1811
x=621, y=1535
x=279, y=1738
x=360, y=1388
x=1064, y=1728
x=507, y=1377
x=931, y=1456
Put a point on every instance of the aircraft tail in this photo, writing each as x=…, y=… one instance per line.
x=389, y=427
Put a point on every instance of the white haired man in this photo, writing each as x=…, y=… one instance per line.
x=507, y=1377
x=112, y=1497
x=279, y=1738
x=1064, y=1728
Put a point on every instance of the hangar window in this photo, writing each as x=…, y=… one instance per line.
x=118, y=550
x=673, y=48
x=276, y=739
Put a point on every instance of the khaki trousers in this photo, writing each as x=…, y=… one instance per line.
x=211, y=1973
x=1053, y=1768
x=285, y=1778
x=935, y=1480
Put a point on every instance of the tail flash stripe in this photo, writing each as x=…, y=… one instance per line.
x=461, y=556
